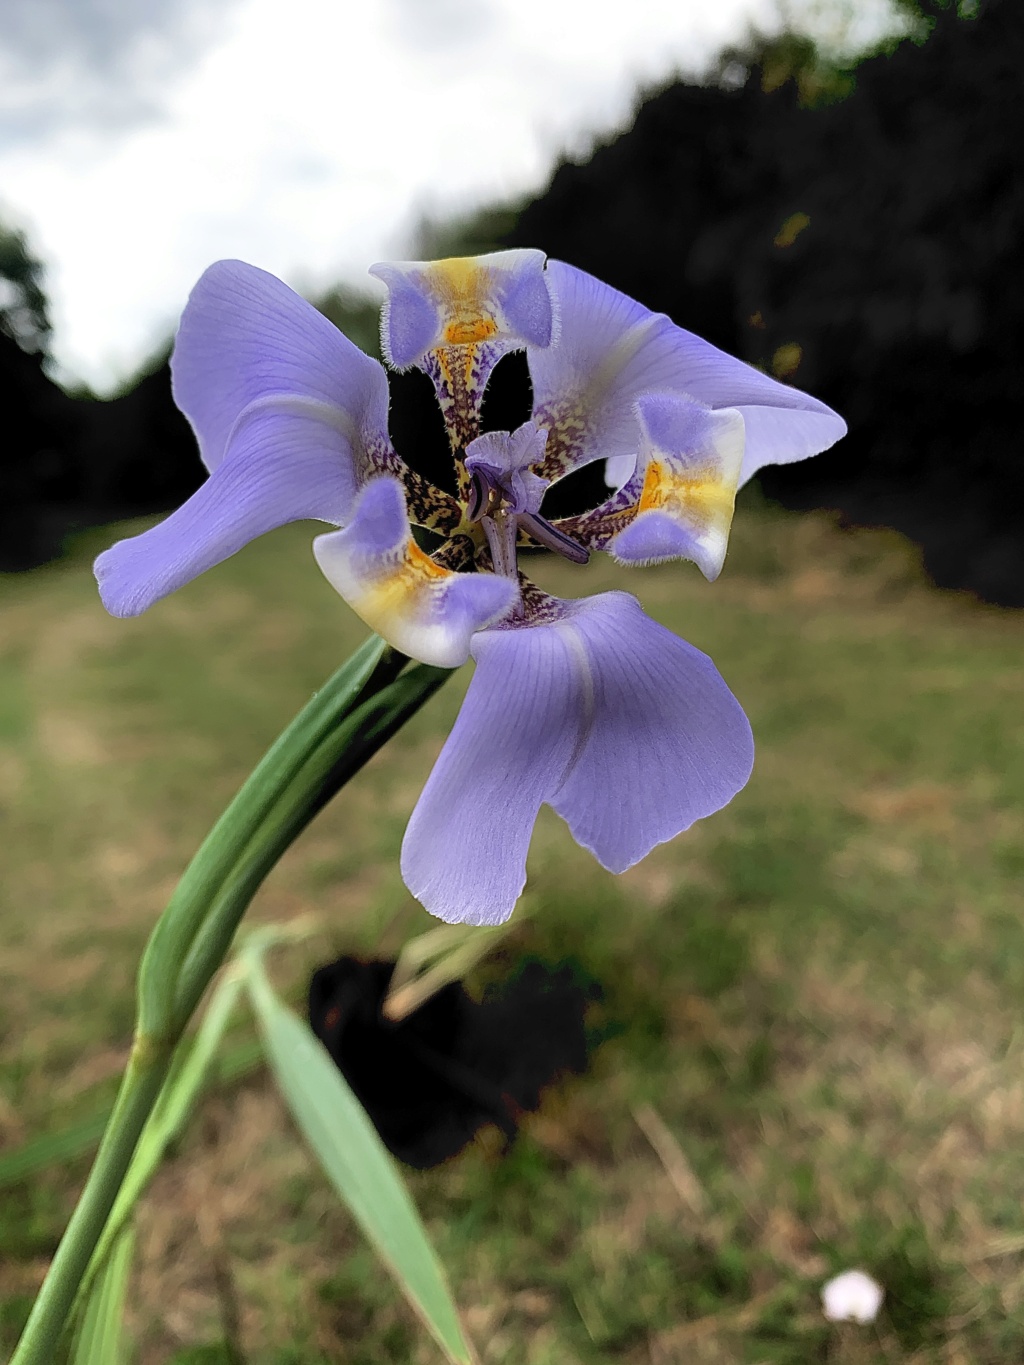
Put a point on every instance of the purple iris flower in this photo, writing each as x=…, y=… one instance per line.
x=627, y=731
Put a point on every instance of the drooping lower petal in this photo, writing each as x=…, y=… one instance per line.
x=245, y=337
x=285, y=464
x=464, y=852
x=424, y=610
x=627, y=731
x=668, y=743
x=690, y=458
x=610, y=350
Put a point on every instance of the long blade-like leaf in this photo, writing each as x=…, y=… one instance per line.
x=356, y=1162
x=101, y=1339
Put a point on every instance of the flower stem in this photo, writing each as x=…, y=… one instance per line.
x=339, y=729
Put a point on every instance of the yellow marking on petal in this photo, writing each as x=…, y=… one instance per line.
x=463, y=288
x=699, y=497
x=458, y=276
x=402, y=593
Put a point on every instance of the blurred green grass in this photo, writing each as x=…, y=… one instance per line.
x=817, y=990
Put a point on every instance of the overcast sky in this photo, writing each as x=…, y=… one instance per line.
x=142, y=139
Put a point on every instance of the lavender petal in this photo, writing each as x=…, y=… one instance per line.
x=667, y=742
x=245, y=335
x=626, y=730
x=610, y=350
x=690, y=457
x=464, y=852
x=501, y=298
x=283, y=466
x=426, y=611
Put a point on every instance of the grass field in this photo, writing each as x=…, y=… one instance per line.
x=813, y=999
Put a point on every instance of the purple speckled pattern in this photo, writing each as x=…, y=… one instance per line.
x=588, y=705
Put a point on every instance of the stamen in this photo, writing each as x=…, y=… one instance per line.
x=479, y=495
x=546, y=534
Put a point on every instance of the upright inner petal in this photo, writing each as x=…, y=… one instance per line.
x=456, y=318
x=690, y=458
x=417, y=605
x=679, y=502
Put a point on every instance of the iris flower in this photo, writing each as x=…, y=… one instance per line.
x=627, y=731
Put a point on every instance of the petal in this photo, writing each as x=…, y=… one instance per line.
x=464, y=852
x=618, y=470
x=245, y=335
x=626, y=730
x=610, y=350
x=455, y=319
x=290, y=417
x=283, y=466
x=499, y=297
x=690, y=457
x=422, y=609
x=667, y=742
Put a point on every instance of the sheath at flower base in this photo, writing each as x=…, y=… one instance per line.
x=628, y=732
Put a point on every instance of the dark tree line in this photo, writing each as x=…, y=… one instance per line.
x=869, y=249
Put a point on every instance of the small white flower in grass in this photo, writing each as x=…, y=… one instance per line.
x=852, y=1296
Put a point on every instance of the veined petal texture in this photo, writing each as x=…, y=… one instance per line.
x=290, y=416
x=464, y=852
x=668, y=743
x=284, y=466
x=424, y=610
x=245, y=337
x=627, y=731
x=610, y=350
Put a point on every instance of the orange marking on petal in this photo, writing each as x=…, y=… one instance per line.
x=420, y=562
x=466, y=331
x=398, y=594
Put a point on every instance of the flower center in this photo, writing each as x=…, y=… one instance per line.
x=505, y=495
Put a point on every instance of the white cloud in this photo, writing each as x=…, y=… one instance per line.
x=308, y=138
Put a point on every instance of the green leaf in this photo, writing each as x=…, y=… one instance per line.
x=177, y=1098
x=101, y=1340
x=356, y=1162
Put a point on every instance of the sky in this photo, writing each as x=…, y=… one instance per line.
x=142, y=139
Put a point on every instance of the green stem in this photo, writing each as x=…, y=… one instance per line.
x=140, y=1087
x=342, y=726
x=169, y=944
